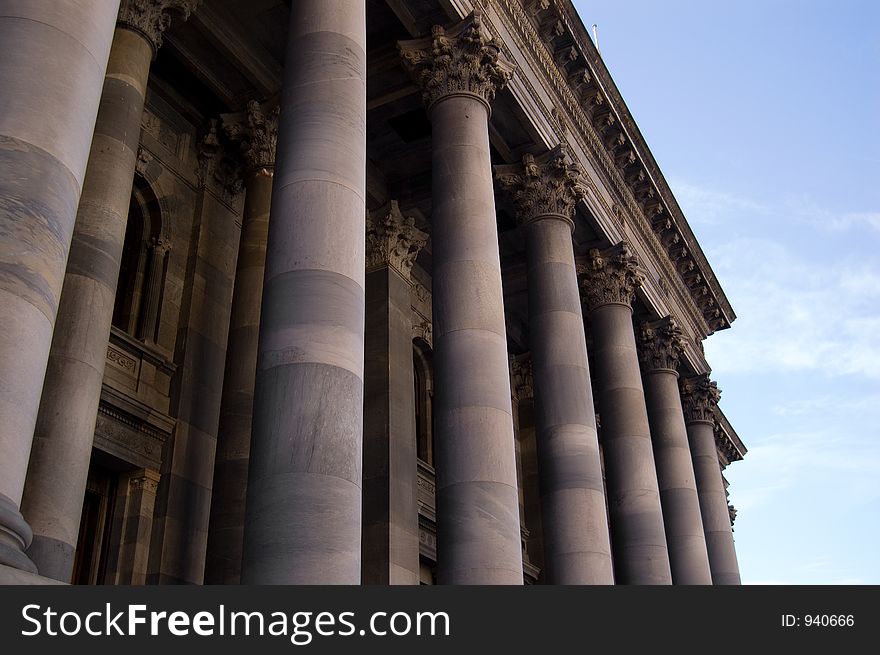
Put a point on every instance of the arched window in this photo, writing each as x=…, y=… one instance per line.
x=142, y=268
x=423, y=381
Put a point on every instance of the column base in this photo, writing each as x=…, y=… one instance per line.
x=15, y=537
x=14, y=576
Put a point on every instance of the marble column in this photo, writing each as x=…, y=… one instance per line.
x=303, y=513
x=391, y=514
x=256, y=130
x=636, y=517
x=699, y=397
x=577, y=549
x=62, y=446
x=53, y=64
x=660, y=348
x=477, y=507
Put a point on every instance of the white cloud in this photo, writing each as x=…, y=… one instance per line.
x=704, y=206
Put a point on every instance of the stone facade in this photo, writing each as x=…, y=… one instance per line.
x=423, y=311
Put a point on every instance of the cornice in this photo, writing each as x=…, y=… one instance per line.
x=578, y=32
x=592, y=143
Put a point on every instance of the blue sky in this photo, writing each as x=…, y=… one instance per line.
x=764, y=116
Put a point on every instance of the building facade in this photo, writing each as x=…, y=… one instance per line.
x=345, y=291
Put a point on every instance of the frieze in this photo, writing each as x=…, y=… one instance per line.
x=119, y=359
x=529, y=42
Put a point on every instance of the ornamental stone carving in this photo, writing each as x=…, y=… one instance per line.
x=152, y=17
x=393, y=240
x=610, y=276
x=461, y=60
x=521, y=384
x=549, y=185
x=256, y=131
x=660, y=344
x=699, y=397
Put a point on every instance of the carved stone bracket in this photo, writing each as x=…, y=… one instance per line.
x=256, y=130
x=393, y=240
x=660, y=344
x=610, y=276
x=461, y=60
x=549, y=185
x=152, y=17
x=699, y=397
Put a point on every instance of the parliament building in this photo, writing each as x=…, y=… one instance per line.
x=345, y=292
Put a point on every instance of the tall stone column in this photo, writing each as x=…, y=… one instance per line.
x=53, y=64
x=65, y=427
x=660, y=349
x=699, y=397
x=577, y=549
x=638, y=537
x=391, y=513
x=477, y=507
x=256, y=129
x=303, y=515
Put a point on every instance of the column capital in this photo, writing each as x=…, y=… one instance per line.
x=521, y=383
x=151, y=18
x=461, y=60
x=393, y=240
x=547, y=185
x=256, y=131
x=699, y=397
x=661, y=344
x=610, y=276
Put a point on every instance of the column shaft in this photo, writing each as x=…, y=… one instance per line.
x=391, y=512
x=713, y=504
x=675, y=474
x=303, y=514
x=638, y=537
x=477, y=505
x=226, y=528
x=53, y=65
x=576, y=542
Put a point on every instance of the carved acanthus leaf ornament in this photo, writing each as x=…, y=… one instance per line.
x=393, y=240
x=610, y=276
x=548, y=185
x=461, y=60
x=256, y=130
x=661, y=344
x=152, y=17
x=699, y=397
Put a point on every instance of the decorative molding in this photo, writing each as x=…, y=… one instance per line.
x=574, y=103
x=699, y=397
x=393, y=240
x=463, y=60
x=151, y=18
x=661, y=344
x=549, y=185
x=256, y=131
x=610, y=276
x=146, y=480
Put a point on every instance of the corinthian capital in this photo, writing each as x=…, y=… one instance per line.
x=548, y=185
x=521, y=383
x=393, y=240
x=699, y=396
x=463, y=60
x=610, y=276
x=256, y=131
x=661, y=344
x=152, y=17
